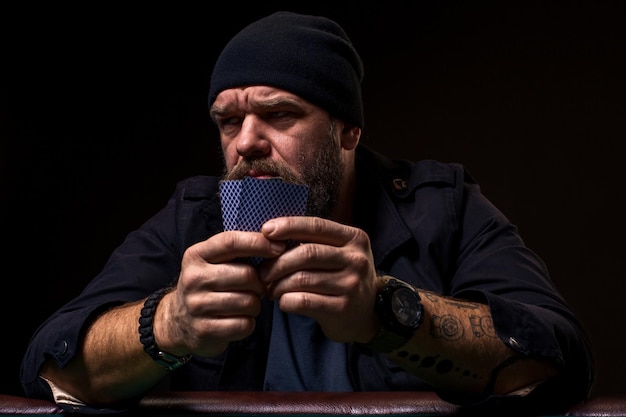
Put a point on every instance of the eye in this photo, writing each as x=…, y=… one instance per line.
x=228, y=124
x=278, y=114
x=227, y=121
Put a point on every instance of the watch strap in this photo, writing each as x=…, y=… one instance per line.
x=385, y=342
x=146, y=334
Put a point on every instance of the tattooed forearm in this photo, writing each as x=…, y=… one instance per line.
x=482, y=326
x=462, y=304
x=447, y=327
x=456, y=347
x=436, y=298
x=440, y=366
x=451, y=328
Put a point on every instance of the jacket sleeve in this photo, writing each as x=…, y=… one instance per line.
x=434, y=228
x=148, y=259
x=494, y=266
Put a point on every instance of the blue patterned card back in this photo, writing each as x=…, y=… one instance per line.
x=250, y=202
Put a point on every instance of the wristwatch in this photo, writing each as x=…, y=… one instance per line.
x=400, y=312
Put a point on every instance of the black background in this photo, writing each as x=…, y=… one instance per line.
x=103, y=110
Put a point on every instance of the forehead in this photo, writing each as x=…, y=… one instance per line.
x=246, y=96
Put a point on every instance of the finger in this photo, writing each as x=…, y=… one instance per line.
x=199, y=275
x=309, y=229
x=224, y=304
x=227, y=328
x=313, y=281
x=317, y=306
x=346, y=260
x=230, y=245
x=210, y=336
x=340, y=318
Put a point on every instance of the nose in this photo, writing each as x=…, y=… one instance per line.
x=252, y=141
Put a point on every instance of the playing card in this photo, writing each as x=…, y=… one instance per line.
x=250, y=202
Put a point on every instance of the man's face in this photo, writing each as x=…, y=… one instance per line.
x=267, y=132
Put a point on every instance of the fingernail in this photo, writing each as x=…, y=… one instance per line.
x=268, y=227
x=277, y=246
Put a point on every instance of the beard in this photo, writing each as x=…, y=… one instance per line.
x=323, y=175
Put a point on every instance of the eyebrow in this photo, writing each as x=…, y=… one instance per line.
x=217, y=111
x=279, y=101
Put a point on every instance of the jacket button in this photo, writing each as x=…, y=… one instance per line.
x=63, y=348
x=514, y=343
x=399, y=184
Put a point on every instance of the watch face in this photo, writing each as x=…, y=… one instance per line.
x=406, y=307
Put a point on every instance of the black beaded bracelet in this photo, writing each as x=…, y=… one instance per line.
x=146, y=334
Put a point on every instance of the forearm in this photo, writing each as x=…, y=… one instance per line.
x=111, y=365
x=456, y=348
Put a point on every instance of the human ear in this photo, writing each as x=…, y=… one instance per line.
x=350, y=135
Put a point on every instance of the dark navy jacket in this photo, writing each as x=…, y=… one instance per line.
x=428, y=224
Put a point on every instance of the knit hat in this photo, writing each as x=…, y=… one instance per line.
x=310, y=56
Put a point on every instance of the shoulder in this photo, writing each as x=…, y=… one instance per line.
x=407, y=176
x=199, y=187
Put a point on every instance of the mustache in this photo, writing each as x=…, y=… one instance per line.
x=265, y=167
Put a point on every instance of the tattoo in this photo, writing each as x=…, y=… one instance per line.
x=441, y=366
x=460, y=304
x=412, y=357
x=444, y=367
x=447, y=327
x=493, y=377
x=430, y=296
x=428, y=361
x=482, y=326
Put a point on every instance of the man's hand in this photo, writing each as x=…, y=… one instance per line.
x=330, y=276
x=217, y=297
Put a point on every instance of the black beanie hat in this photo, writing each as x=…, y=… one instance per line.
x=310, y=56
